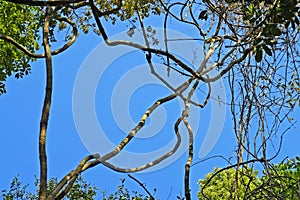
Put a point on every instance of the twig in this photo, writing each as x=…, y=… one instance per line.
x=142, y=185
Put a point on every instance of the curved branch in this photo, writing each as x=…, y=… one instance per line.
x=230, y=65
x=152, y=163
x=21, y=47
x=86, y=163
x=138, y=46
x=132, y=133
x=55, y=52
x=73, y=39
x=70, y=176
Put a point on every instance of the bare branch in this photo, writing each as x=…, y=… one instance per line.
x=142, y=185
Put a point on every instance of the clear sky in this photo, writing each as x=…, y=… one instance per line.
x=66, y=145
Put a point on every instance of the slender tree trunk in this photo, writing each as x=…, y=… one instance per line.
x=46, y=109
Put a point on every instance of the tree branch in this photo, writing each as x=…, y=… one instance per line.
x=70, y=176
x=86, y=163
x=185, y=115
x=142, y=185
x=55, y=52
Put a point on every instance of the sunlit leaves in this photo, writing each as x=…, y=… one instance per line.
x=62, y=25
x=129, y=8
x=280, y=181
x=221, y=185
x=22, y=24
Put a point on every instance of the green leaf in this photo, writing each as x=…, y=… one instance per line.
x=251, y=8
x=267, y=50
x=258, y=55
x=276, y=31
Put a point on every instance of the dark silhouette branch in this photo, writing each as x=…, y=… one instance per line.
x=142, y=185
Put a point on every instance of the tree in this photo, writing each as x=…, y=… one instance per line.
x=280, y=181
x=253, y=45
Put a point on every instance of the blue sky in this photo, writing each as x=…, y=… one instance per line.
x=21, y=110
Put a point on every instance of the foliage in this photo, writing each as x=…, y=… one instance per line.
x=18, y=191
x=275, y=19
x=280, y=181
x=80, y=190
x=128, y=8
x=123, y=193
x=20, y=22
x=222, y=185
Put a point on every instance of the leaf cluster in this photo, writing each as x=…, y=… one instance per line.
x=280, y=181
x=275, y=20
x=128, y=8
x=80, y=190
x=23, y=24
x=222, y=185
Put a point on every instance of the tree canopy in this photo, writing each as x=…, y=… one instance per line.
x=279, y=181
